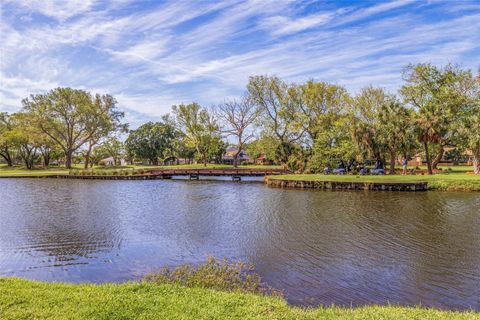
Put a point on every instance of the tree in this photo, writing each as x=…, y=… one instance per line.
x=438, y=95
x=278, y=105
x=151, y=141
x=181, y=149
x=6, y=149
x=200, y=128
x=98, y=153
x=366, y=108
x=238, y=116
x=469, y=126
x=49, y=151
x=320, y=103
x=114, y=148
x=70, y=117
x=263, y=146
x=26, y=138
x=107, y=124
x=333, y=145
x=216, y=149
x=395, y=130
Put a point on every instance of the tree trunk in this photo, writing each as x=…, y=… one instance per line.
x=239, y=150
x=87, y=155
x=393, y=155
x=46, y=159
x=438, y=157
x=29, y=162
x=6, y=155
x=8, y=159
x=476, y=160
x=427, y=156
x=68, y=159
x=235, y=161
x=28, y=155
x=235, y=157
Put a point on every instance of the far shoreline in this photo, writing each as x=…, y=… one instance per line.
x=461, y=182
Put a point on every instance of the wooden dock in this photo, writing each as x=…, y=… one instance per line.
x=236, y=174
x=190, y=174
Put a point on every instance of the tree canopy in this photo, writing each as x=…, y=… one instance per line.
x=304, y=126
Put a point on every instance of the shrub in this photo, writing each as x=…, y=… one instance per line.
x=221, y=275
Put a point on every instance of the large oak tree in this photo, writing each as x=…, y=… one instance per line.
x=72, y=117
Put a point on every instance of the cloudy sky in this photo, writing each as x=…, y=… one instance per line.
x=153, y=54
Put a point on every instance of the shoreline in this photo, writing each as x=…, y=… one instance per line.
x=412, y=183
x=347, y=185
x=396, y=183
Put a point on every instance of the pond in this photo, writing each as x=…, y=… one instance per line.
x=344, y=248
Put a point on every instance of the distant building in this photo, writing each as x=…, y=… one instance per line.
x=110, y=161
x=263, y=160
x=243, y=157
x=419, y=158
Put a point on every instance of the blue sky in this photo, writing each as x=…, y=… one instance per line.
x=153, y=54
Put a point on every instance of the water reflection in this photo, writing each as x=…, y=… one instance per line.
x=320, y=247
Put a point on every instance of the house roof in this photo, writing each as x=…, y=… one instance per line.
x=230, y=152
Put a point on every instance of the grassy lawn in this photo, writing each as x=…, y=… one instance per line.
x=21, y=171
x=18, y=171
x=22, y=299
x=457, y=178
x=454, y=180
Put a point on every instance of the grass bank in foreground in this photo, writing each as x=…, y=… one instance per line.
x=23, y=299
x=453, y=181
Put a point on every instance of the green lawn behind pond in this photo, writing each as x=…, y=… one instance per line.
x=20, y=171
x=451, y=181
x=23, y=299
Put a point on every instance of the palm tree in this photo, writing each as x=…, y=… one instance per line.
x=438, y=95
x=395, y=130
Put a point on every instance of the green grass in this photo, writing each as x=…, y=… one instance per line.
x=23, y=299
x=453, y=181
x=20, y=171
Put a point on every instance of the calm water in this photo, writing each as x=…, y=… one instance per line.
x=348, y=248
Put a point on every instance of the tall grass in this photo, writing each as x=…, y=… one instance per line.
x=107, y=172
x=222, y=275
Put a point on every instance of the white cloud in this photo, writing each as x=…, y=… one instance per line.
x=281, y=25
x=182, y=51
x=60, y=10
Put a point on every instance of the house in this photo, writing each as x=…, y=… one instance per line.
x=262, y=160
x=110, y=161
x=418, y=159
x=243, y=157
